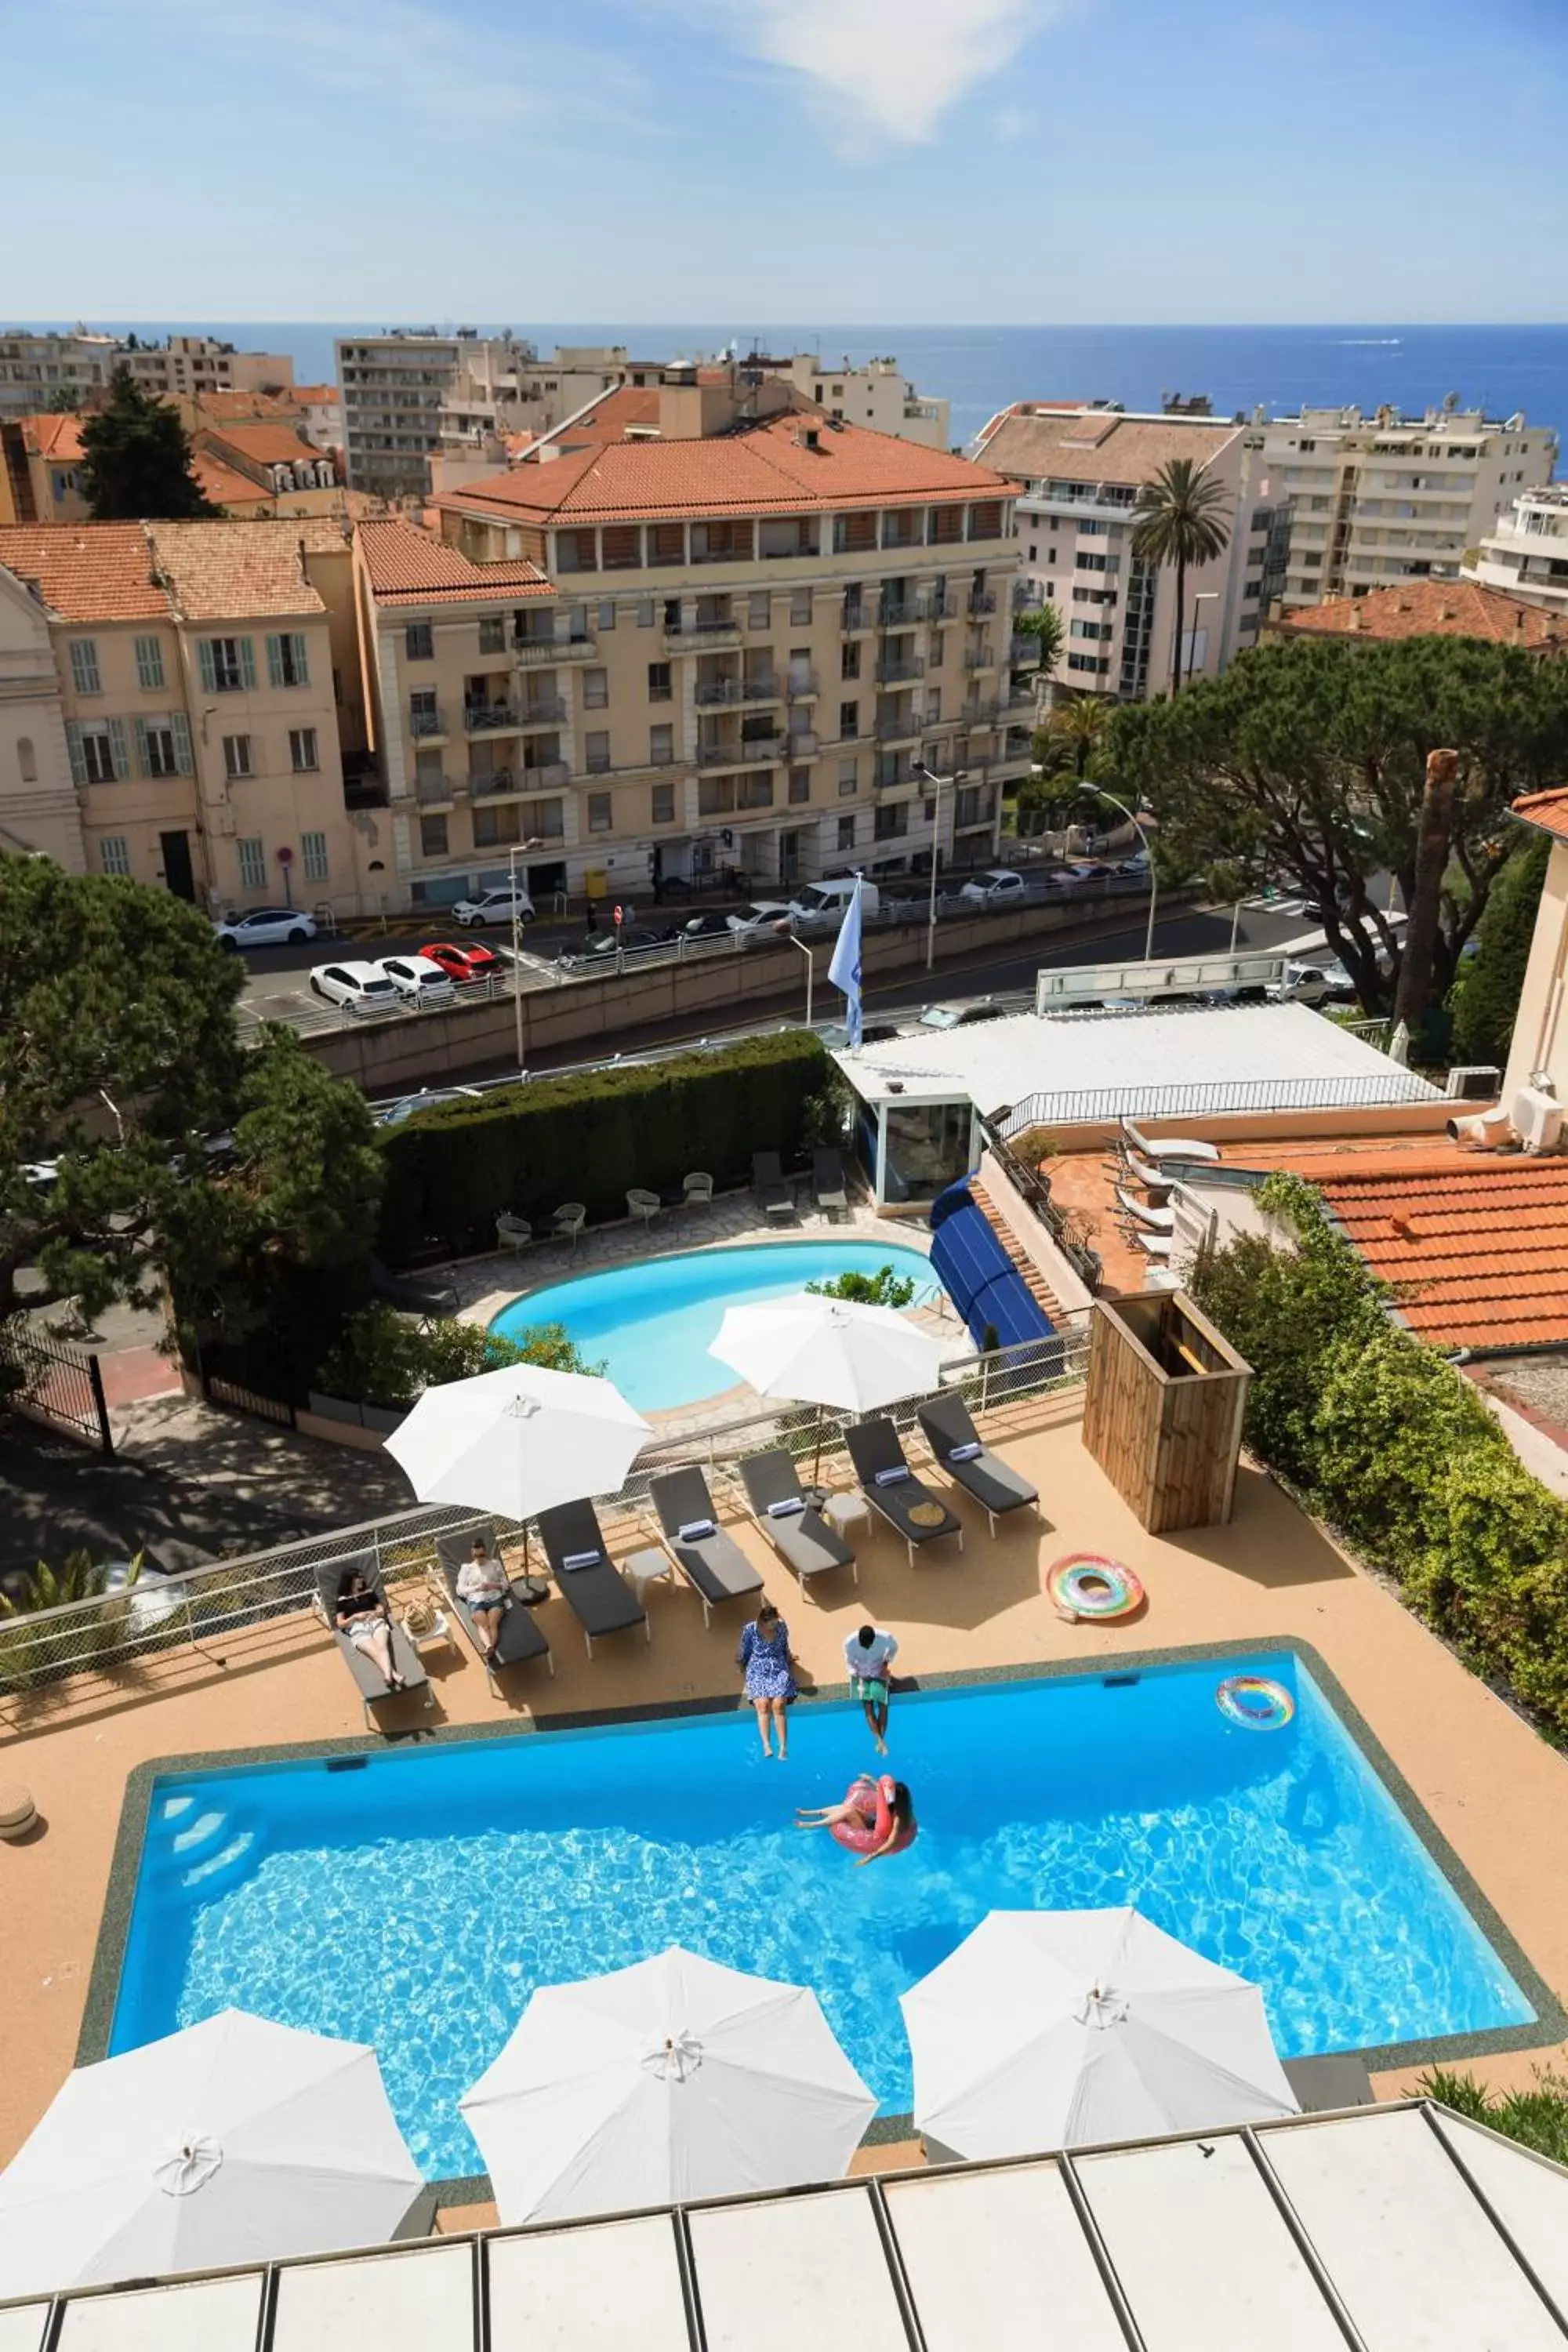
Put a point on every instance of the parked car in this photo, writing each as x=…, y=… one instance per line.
x=464, y=963
x=960, y=1016
x=995, y=886
x=602, y=948
x=712, y=925
x=836, y=1037
x=1135, y=868
x=364, y=987
x=417, y=977
x=1301, y=983
x=266, y=926
x=393, y=1114
x=768, y=918
x=494, y=906
x=825, y=904
x=1088, y=869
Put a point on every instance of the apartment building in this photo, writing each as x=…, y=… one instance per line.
x=1078, y=473
x=1375, y=500
x=878, y=395
x=40, y=468
x=255, y=468
x=202, y=691
x=200, y=364
x=1526, y=550
x=37, y=370
x=406, y=394
x=661, y=659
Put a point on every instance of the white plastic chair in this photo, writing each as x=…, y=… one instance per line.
x=698, y=1189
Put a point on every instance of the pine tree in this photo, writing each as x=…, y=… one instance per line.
x=137, y=459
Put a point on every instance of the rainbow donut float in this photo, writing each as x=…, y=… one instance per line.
x=1255, y=1702
x=1087, y=1584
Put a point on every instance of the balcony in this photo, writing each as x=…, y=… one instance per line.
x=701, y=636
x=930, y=606
x=892, y=769
x=539, y=653
x=550, y=776
x=799, y=744
x=857, y=619
x=801, y=686
x=435, y=791
x=544, y=710
x=903, y=729
x=490, y=719
x=897, y=616
x=978, y=657
x=982, y=600
x=426, y=726
x=896, y=668
x=721, y=691
x=1025, y=653
x=759, y=751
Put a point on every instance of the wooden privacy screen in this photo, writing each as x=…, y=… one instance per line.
x=1163, y=1412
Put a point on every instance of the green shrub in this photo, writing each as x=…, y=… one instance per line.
x=387, y=1359
x=451, y=1171
x=1484, y=998
x=29, y=1655
x=1536, y=2118
x=883, y=1288
x=1395, y=1448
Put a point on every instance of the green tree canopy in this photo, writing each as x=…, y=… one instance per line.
x=1181, y=518
x=1305, y=764
x=1484, y=998
x=137, y=459
x=1044, y=623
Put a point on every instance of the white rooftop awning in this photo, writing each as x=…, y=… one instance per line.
x=796, y=2273
x=219, y=2315
x=613, y=2284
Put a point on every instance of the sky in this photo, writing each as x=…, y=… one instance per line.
x=1005, y=162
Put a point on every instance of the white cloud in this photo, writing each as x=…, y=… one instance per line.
x=887, y=67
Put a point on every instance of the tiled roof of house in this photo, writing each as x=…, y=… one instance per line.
x=611, y=415
x=1477, y=1243
x=1547, y=810
x=226, y=486
x=314, y=396
x=53, y=436
x=86, y=571
x=763, y=468
x=220, y=404
x=235, y=570
x=266, y=443
x=407, y=565
x=1432, y=608
x=1101, y=445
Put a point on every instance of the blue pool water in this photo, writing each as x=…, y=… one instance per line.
x=416, y=1898
x=651, y=1325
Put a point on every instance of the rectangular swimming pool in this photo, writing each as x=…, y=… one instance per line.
x=413, y=1898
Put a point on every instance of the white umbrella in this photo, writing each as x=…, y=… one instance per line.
x=670, y=2080
x=519, y=1440
x=234, y=2141
x=1057, y=2029
x=817, y=1351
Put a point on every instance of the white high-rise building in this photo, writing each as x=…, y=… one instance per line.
x=1526, y=550
x=407, y=394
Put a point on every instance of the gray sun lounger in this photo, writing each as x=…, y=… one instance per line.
x=519, y=1639
x=373, y=1687
x=802, y=1539
x=891, y=1488
x=711, y=1562
x=951, y=1433
x=768, y=1184
x=828, y=1179
x=593, y=1590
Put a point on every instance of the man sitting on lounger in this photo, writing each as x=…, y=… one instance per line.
x=869, y=1654
x=483, y=1586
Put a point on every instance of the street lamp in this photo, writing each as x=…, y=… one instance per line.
x=512, y=857
x=936, y=783
x=810, y=970
x=1101, y=794
x=1204, y=596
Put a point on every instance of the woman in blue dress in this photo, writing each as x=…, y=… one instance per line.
x=764, y=1653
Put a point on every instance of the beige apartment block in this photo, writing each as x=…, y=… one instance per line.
x=203, y=693
x=878, y=395
x=35, y=370
x=406, y=394
x=198, y=363
x=1526, y=550
x=659, y=660
x=1078, y=473
x=1537, y=1055
x=1376, y=499
x=38, y=811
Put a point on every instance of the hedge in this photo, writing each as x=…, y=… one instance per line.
x=589, y=1137
x=1396, y=1449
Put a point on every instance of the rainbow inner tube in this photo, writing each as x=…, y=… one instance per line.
x=1255, y=1702
x=1087, y=1584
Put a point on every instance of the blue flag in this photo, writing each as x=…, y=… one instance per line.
x=843, y=971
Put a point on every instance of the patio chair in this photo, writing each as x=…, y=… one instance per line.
x=591, y=1584
x=367, y=1674
x=1143, y=1213
x=711, y=1561
x=1155, y=1183
x=1156, y=1246
x=520, y=1638
x=644, y=1205
x=768, y=1184
x=827, y=1181
x=698, y=1189
x=1173, y=1147
x=805, y=1541
x=910, y=1509
x=568, y=1221
x=514, y=1232
x=957, y=1448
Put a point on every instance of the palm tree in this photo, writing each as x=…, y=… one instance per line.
x=1182, y=517
x=1044, y=623
x=1075, y=729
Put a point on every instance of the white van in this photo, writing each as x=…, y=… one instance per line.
x=824, y=905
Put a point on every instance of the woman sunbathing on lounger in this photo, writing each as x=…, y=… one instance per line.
x=482, y=1585
x=363, y=1616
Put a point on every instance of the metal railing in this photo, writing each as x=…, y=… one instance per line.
x=890, y=670
x=478, y=716
x=1073, y=1106
x=48, y=1380
x=108, y=1634
x=542, y=652
x=426, y=722
x=543, y=710
x=720, y=690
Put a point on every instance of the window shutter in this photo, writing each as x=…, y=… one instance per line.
x=143, y=762
x=180, y=730
x=247, y=663
x=79, y=763
x=301, y=663
x=117, y=750
x=274, y=661
x=209, y=665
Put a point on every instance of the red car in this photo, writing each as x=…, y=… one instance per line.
x=460, y=963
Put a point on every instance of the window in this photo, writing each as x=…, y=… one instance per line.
x=645, y=612
x=596, y=748
x=418, y=642
x=848, y=777
x=97, y=750
x=799, y=786
x=595, y=689
x=302, y=750
x=848, y=721
x=26, y=759
x=84, y=666
x=601, y=812
x=432, y=837
x=933, y=658
x=157, y=753
x=1097, y=664
x=890, y=822
x=663, y=804
x=313, y=855
x=715, y=795
x=288, y=661
x=235, y=755
x=1096, y=629
x=754, y=791
x=492, y=634
x=252, y=857
x=660, y=746
x=658, y=686
x=1033, y=554
x=606, y=615
x=496, y=827
x=149, y=665
x=227, y=664
x=934, y=705
x=850, y=660
x=759, y=609
x=114, y=853
x=846, y=832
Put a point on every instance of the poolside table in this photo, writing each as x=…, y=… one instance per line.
x=647, y=1566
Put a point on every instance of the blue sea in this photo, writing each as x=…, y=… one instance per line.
x=981, y=369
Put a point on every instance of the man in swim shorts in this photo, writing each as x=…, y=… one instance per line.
x=869, y=1654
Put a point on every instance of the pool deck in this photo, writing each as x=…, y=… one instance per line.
x=1493, y=1787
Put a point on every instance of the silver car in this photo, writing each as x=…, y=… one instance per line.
x=266, y=926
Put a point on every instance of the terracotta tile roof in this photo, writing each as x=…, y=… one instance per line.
x=55, y=437
x=1101, y=445
x=1547, y=810
x=225, y=486
x=236, y=570
x=1476, y=1243
x=1034, y=1281
x=221, y=404
x=610, y=417
x=313, y=395
x=266, y=443
x=765, y=468
x=86, y=571
x=405, y=565
x=1432, y=608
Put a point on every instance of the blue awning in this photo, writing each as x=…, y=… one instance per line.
x=977, y=1274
